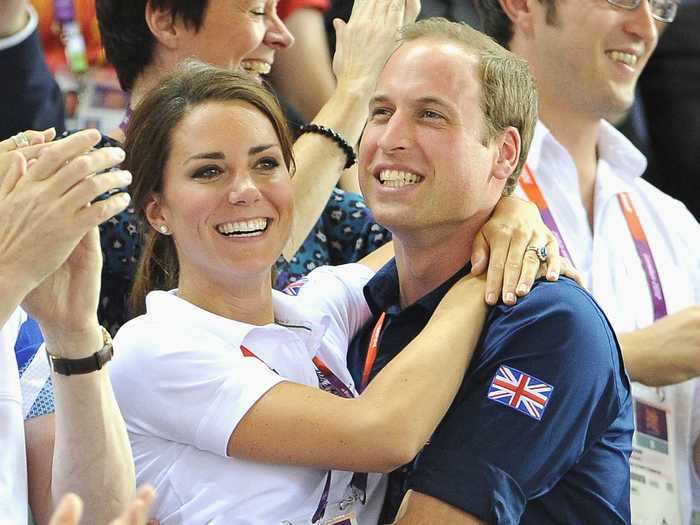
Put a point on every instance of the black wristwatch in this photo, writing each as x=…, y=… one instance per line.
x=85, y=365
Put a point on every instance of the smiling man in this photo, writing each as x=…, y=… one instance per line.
x=540, y=431
x=635, y=246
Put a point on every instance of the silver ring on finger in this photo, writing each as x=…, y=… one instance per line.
x=540, y=251
x=21, y=140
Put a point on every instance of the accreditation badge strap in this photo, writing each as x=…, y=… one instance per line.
x=533, y=192
x=343, y=391
x=634, y=225
x=641, y=243
x=372, y=349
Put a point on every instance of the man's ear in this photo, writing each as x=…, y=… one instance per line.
x=162, y=25
x=508, y=147
x=519, y=13
x=154, y=212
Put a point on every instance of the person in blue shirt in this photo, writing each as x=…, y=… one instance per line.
x=541, y=429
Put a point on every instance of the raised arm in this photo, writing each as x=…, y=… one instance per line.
x=49, y=236
x=363, y=46
x=391, y=421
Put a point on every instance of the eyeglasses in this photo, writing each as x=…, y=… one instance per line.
x=661, y=10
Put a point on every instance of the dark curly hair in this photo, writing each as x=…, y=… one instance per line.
x=127, y=40
x=498, y=26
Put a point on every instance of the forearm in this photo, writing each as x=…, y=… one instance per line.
x=13, y=290
x=411, y=395
x=320, y=162
x=92, y=456
x=647, y=363
x=303, y=72
x=13, y=17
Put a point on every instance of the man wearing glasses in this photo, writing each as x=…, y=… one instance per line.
x=635, y=247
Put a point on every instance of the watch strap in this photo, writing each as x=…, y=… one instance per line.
x=84, y=365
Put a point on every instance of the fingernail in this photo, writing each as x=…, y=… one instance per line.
x=125, y=197
x=491, y=298
x=510, y=298
x=477, y=262
x=119, y=154
x=522, y=289
x=128, y=177
x=552, y=276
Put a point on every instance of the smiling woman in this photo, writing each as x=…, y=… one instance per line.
x=222, y=376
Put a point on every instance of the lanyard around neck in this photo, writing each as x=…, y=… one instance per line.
x=372, y=351
x=529, y=185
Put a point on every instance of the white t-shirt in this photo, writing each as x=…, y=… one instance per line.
x=13, y=459
x=608, y=259
x=183, y=384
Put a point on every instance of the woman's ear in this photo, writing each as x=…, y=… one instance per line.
x=154, y=214
x=162, y=25
x=508, y=147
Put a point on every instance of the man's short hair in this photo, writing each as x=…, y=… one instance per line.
x=127, y=40
x=498, y=26
x=508, y=93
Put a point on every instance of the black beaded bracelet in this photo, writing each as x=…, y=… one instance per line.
x=335, y=137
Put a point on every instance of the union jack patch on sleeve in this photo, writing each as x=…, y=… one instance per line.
x=520, y=391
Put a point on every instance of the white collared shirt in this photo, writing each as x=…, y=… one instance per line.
x=183, y=385
x=608, y=259
x=13, y=459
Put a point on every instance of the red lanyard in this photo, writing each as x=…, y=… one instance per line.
x=634, y=225
x=372, y=351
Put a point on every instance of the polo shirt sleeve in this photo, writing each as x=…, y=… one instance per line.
x=190, y=389
x=489, y=458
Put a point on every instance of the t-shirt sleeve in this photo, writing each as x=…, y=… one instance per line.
x=193, y=395
x=337, y=291
x=545, y=384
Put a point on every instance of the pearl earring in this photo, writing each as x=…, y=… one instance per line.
x=163, y=229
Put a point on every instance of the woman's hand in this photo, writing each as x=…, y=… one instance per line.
x=364, y=43
x=47, y=209
x=70, y=510
x=502, y=245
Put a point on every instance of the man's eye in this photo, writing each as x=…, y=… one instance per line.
x=207, y=172
x=432, y=114
x=380, y=112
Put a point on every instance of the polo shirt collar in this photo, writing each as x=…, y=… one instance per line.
x=382, y=291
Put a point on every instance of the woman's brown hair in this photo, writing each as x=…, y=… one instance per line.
x=148, y=145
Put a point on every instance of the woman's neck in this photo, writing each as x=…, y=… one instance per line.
x=245, y=299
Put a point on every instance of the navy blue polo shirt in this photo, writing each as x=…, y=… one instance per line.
x=540, y=431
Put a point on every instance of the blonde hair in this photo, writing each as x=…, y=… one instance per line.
x=508, y=93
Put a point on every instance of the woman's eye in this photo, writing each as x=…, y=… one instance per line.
x=258, y=12
x=267, y=163
x=207, y=172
